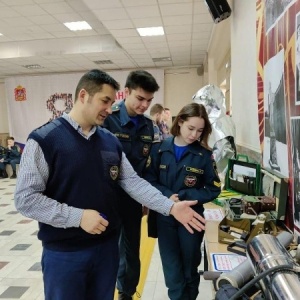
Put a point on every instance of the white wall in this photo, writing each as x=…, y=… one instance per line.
x=243, y=74
x=180, y=86
x=3, y=110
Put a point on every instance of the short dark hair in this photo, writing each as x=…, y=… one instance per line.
x=93, y=80
x=193, y=110
x=156, y=109
x=141, y=79
x=10, y=138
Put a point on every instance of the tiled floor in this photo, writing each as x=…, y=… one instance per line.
x=20, y=252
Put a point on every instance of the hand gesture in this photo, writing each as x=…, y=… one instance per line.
x=183, y=213
x=92, y=222
x=174, y=198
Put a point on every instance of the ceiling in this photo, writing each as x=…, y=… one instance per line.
x=34, y=33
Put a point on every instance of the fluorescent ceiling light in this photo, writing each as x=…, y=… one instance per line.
x=150, y=31
x=1, y=34
x=74, y=26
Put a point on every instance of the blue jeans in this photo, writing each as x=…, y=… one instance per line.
x=81, y=275
x=180, y=254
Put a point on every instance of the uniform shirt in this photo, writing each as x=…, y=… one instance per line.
x=136, y=140
x=194, y=176
x=33, y=176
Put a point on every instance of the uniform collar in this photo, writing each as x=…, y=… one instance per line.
x=124, y=117
x=167, y=145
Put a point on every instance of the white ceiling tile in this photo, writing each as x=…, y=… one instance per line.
x=128, y=3
x=200, y=7
x=176, y=9
x=143, y=11
x=179, y=37
x=17, y=2
x=199, y=27
x=154, y=39
x=147, y=22
x=175, y=44
x=178, y=29
x=29, y=10
x=111, y=14
x=177, y=20
x=203, y=18
x=125, y=32
x=127, y=40
x=18, y=21
x=103, y=4
x=42, y=35
x=121, y=24
x=131, y=46
x=69, y=17
x=55, y=28
x=201, y=35
x=44, y=19
x=64, y=34
x=57, y=8
x=6, y=12
x=174, y=1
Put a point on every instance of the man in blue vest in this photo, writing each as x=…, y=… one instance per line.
x=68, y=181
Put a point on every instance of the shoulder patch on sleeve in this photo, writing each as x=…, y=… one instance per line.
x=115, y=108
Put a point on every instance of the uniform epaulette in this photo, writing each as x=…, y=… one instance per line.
x=115, y=107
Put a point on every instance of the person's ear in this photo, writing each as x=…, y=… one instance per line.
x=82, y=94
x=127, y=92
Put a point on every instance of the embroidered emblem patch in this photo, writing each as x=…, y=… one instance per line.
x=114, y=172
x=146, y=150
x=194, y=170
x=217, y=184
x=190, y=180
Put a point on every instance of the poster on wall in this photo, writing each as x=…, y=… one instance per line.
x=34, y=100
x=274, y=9
x=275, y=154
x=295, y=132
x=278, y=87
x=297, y=60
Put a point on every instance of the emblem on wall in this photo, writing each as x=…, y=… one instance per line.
x=20, y=93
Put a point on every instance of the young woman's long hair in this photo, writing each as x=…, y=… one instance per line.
x=193, y=110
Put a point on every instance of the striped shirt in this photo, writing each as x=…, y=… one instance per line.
x=33, y=176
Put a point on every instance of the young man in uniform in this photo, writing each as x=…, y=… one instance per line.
x=135, y=132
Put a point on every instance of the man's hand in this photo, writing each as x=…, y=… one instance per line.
x=92, y=222
x=183, y=213
x=174, y=197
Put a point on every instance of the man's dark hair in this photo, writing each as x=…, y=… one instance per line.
x=141, y=79
x=93, y=80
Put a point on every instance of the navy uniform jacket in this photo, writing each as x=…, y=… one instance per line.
x=136, y=142
x=194, y=177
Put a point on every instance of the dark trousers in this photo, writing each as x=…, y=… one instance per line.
x=12, y=162
x=180, y=254
x=129, y=246
x=81, y=275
